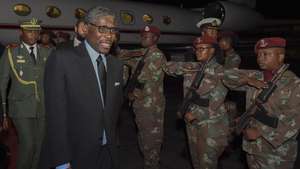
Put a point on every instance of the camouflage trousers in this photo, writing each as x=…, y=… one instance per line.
x=150, y=135
x=269, y=161
x=205, y=150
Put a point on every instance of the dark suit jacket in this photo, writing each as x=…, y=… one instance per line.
x=73, y=108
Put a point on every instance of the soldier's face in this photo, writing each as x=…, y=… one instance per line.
x=81, y=30
x=211, y=32
x=224, y=44
x=30, y=37
x=45, y=39
x=270, y=58
x=102, y=34
x=204, y=52
x=148, y=39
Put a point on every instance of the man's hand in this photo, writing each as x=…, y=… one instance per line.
x=131, y=96
x=5, y=123
x=256, y=83
x=251, y=134
x=189, y=117
x=138, y=94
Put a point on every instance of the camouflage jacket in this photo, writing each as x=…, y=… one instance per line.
x=232, y=60
x=152, y=77
x=211, y=88
x=284, y=103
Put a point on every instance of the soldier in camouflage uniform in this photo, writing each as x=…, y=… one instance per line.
x=207, y=125
x=227, y=41
x=21, y=82
x=267, y=147
x=149, y=101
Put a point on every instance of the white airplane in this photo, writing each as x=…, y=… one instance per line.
x=178, y=25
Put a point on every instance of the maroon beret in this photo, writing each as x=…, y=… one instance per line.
x=273, y=42
x=152, y=29
x=204, y=40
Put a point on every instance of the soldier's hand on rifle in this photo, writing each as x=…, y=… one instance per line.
x=189, y=117
x=252, y=82
x=255, y=83
x=138, y=94
x=131, y=96
x=251, y=133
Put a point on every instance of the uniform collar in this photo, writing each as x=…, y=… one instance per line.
x=28, y=48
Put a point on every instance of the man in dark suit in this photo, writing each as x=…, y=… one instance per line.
x=83, y=92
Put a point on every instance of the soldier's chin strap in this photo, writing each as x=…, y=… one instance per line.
x=24, y=82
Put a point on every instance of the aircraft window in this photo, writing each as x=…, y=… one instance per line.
x=80, y=13
x=22, y=9
x=147, y=18
x=167, y=20
x=53, y=11
x=127, y=17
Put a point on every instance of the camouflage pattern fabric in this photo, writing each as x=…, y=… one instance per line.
x=232, y=60
x=276, y=148
x=149, y=108
x=208, y=135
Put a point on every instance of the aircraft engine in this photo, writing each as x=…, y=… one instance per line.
x=234, y=17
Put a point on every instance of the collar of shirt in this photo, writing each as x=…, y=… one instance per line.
x=28, y=48
x=76, y=42
x=94, y=54
x=268, y=75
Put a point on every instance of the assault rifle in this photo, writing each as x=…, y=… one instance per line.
x=191, y=97
x=257, y=109
x=133, y=81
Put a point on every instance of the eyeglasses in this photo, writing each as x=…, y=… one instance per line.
x=105, y=29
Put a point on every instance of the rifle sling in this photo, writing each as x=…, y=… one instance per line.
x=203, y=102
x=133, y=82
x=262, y=116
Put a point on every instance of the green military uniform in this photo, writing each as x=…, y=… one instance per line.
x=21, y=82
x=232, y=60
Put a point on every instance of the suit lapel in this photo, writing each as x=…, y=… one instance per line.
x=40, y=54
x=109, y=77
x=109, y=84
x=88, y=73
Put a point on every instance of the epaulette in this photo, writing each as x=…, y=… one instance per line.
x=12, y=45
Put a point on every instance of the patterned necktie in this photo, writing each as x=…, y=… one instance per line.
x=102, y=76
x=32, y=54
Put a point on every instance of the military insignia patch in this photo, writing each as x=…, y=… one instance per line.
x=21, y=73
x=20, y=57
x=263, y=43
x=21, y=61
x=147, y=29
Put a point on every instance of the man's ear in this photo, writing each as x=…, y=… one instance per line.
x=212, y=50
x=84, y=28
x=75, y=29
x=281, y=57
